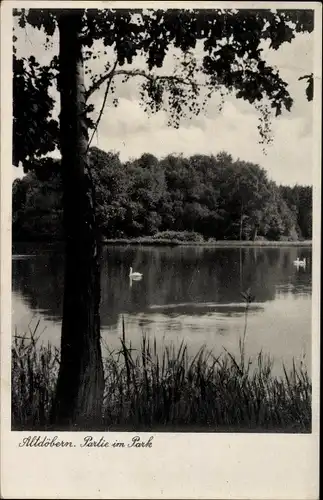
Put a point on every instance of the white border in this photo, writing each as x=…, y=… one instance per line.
x=241, y=466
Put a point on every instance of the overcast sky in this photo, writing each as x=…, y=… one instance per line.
x=130, y=131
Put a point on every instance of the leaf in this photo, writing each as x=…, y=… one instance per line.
x=310, y=89
x=310, y=85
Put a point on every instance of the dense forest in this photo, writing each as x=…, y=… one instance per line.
x=212, y=196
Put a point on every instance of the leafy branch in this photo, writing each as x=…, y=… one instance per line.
x=143, y=74
x=230, y=61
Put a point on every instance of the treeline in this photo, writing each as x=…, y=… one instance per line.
x=214, y=196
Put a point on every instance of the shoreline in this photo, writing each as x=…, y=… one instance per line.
x=212, y=244
x=146, y=241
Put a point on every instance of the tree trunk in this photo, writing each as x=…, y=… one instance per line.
x=80, y=383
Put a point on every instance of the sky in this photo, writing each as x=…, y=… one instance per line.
x=129, y=130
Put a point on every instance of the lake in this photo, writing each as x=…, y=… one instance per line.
x=190, y=293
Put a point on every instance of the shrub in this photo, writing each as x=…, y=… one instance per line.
x=288, y=238
x=179, y=236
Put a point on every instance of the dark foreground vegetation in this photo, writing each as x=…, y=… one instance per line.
x=168, y=390
x=196, y=199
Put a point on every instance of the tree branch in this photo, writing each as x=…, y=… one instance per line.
x=143, y=74
x=92, y=184
x=109, y=77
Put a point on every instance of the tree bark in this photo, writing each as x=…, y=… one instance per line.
x=80, y=383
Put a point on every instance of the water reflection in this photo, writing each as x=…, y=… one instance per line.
x=184, y=280
x=183, y=289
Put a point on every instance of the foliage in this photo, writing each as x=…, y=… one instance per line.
x=168, y=390
x=299, y=201
x=179, y=236
x=231, y=61
x=35, y=132
x=37, y=204
x=176, y=198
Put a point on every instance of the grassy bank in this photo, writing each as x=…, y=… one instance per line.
x=146, y=241
x=169, y=391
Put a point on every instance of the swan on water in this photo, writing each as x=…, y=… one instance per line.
x=299, y=262
x=134, y=275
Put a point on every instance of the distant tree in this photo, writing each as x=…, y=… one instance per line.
x=37, y=204
x=147, y=160
x=299, y=201
x=111, y=190
x=198, y=194
x=305, y=212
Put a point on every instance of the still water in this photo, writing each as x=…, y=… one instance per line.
x=186, y=293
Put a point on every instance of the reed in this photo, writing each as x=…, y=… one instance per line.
x=34, y=371
x=172, y=391
x=165, y=389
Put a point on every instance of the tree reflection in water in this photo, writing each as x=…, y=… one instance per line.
x=180, y=282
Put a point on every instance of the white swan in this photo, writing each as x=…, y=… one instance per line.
x=134, y=275
x=300, y=263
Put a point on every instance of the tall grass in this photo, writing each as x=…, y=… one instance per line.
x=169, y=390
x=34, y=371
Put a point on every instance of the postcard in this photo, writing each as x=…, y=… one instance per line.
x=160, y=249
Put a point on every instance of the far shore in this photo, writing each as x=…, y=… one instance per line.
x=213, y=244
x=148, y=241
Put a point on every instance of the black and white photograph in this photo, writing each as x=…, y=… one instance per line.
x=163, y=180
